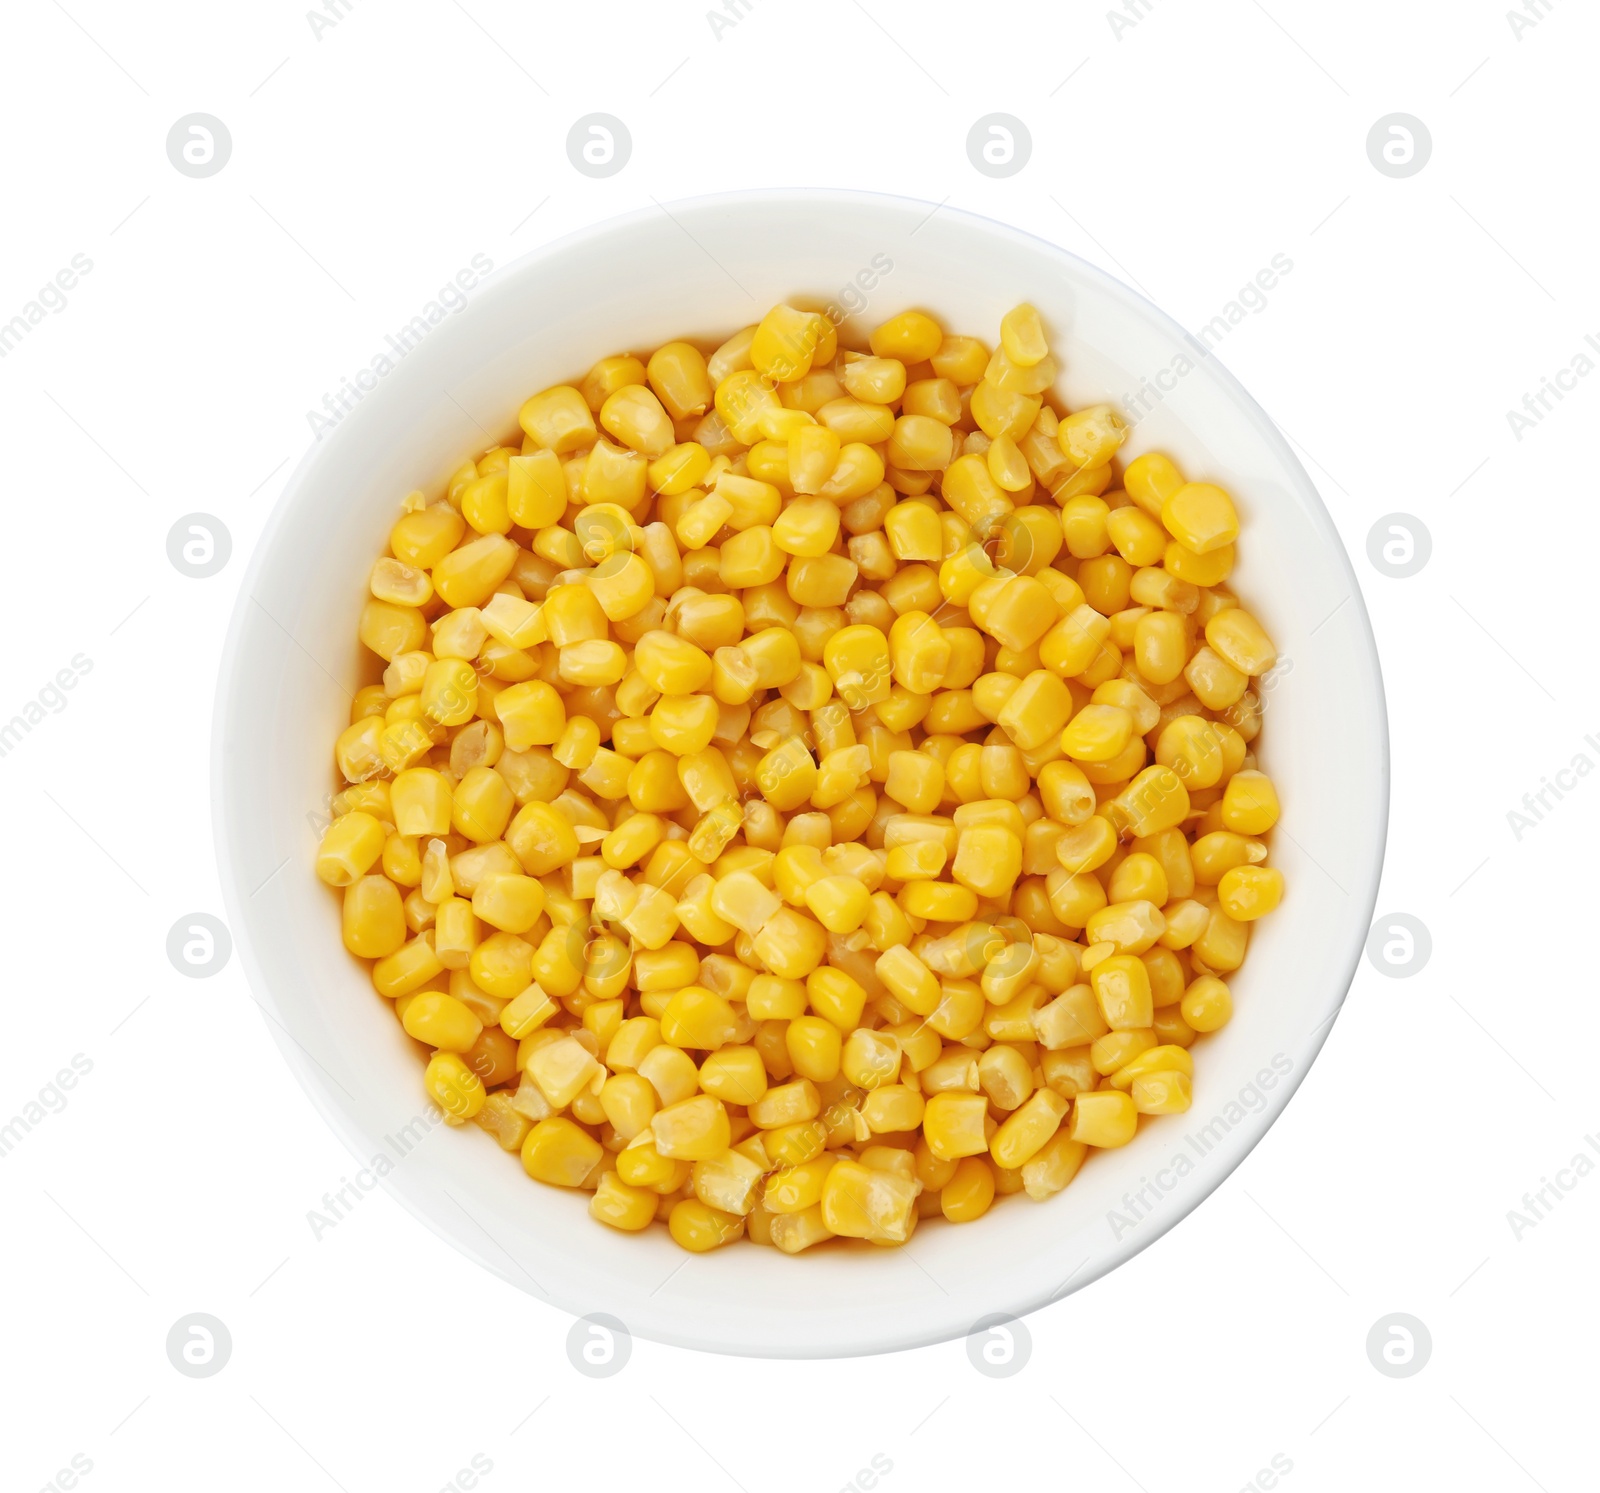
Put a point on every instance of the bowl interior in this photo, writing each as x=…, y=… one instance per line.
x=702, y=270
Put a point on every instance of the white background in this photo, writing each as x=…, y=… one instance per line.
x=369, y=164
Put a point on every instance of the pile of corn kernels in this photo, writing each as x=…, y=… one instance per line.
x=809, y=790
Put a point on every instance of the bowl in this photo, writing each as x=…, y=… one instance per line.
x=703, y=268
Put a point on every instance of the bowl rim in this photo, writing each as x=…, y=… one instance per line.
x=1239, y=1142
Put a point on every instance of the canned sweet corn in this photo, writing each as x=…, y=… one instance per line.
x=803, y=790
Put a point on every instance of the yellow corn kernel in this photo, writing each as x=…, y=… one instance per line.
x=857, y=660
x=735, y=1075
x=696, y=1227
x=916, y=781
x=812, y=455
x=953, y=1124
x=1085, y=522
x=1004, y=1075
x=455, y=1088
x=353, y=842
x=1153, y=801
x=564, y=1068
x=635, y=417
x=861, y=1202
x=536, y=490
x=795, y=1189
x=914, y=532
x=441, y=1021
x=699, y=1018
x=1022, y=335
x=374, y=921
x=1098, y=733
x=559, y=1152
x=693, y=1129
x=1121, y=985
x=1139, y=877
x=785, y=342
x=807, y=527
x=819, y=580
x=468, y=575
x=408, y=968
x=1250, y=803
x=558, y=420
x=390, y=630
x=969, y=1192
x=988, y=859
x=909, y=980
x=502, y=965
x=1249, y=892
x=1035, y=710
x=424, y=537
x=621, y=1206
x=510, y=903
x=1104, y=1118
x=1200, y=517
x=525, y=1013
x=1153, y=1060
x=1161, y=646
x=920, y=444
x=815, y=1048
x=912, y=337
x=1091, y=437
x=1150, y=480
x=1240, y=640
x=671, y=1073
x=1137, y=537
x=729, y=1183
x=456, y=932
x=1132, y=927
x=919, y=652
x=1053, y=1166
x=892, y=1109
x=1023, y=1133
x=1071, y=1020
x=1207, y=1004
x=1071, y=644
x=922, y=860
x=1166, y=1092
x=542, y=839
x=482, y=805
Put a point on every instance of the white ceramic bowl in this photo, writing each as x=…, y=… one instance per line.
x=701, y=270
